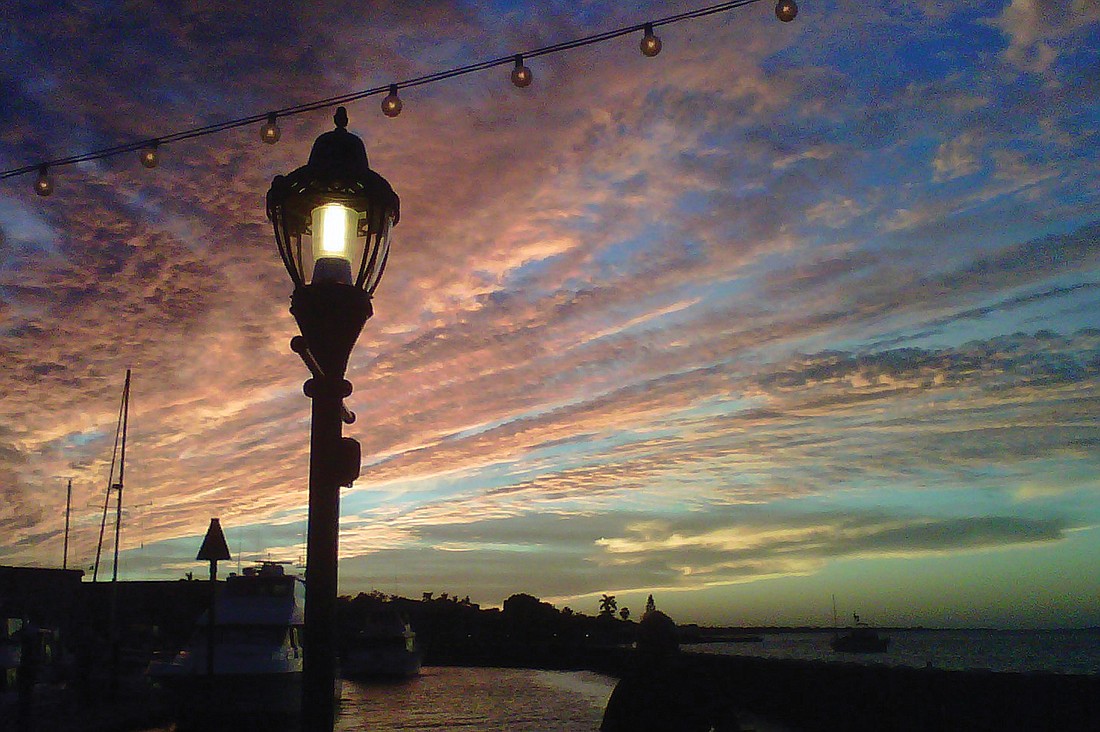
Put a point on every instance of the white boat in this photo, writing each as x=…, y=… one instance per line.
x=385, y=648
x=257, y=661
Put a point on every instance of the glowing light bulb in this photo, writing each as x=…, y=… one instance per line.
x=786, y=10
x=149, y=156
x=44, y=185
x=521, y=75
x=651, y=44
x=270, y=132
x=334, y=229
x=391, y=105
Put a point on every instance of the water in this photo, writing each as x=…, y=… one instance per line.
x=524, y=700
x=1057, y=651
x=478, y=699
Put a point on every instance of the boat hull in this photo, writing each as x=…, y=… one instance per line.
x=385, y=648
x=850, y=644
x=255, y=674
x=397, y=664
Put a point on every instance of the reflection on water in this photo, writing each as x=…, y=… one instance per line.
x=472, y=699
x=478, y=699
x=524, y=700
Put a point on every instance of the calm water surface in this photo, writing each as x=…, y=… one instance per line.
x=524, y=700
x=1057, y=651
x=478, y=699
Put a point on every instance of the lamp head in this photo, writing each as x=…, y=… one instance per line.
x=332, y=216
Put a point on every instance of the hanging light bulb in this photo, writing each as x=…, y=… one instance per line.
x=149, y=155
x=521, y=75
x=786, y=10
x=44, y=185
x=651, y=44
x=270, y=132
x=391, y=105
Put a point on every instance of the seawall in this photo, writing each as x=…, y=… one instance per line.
x=849, y=697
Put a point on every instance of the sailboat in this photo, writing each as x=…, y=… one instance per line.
x=860, y=638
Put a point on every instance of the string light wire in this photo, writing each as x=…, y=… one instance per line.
x=344, y=99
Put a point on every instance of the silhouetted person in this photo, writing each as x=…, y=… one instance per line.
x=662, y=694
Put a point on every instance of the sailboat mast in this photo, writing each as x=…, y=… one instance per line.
x=113, y=620
x=68, y=510
x=110, y=479
x=121, y=470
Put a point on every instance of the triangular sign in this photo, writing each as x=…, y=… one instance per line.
x=213, y=547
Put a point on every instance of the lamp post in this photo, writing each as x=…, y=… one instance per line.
x=332, y=220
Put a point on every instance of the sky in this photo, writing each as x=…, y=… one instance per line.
x=790, y=311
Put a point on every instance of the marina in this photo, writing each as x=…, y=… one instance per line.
x=1059, y=693
x=550, y=366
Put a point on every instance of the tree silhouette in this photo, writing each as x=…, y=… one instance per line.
x=608, y=606
x=624, y=613
x=650, y=606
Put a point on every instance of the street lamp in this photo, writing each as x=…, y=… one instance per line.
x=332, y=219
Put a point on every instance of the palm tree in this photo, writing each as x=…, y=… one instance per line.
x=608, y=605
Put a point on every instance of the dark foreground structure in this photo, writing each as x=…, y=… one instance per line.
x=848, y=697
x=527, y=633
x=801, y=696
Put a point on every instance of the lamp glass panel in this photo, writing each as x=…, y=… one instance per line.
x=377, y=259
x=336, y=244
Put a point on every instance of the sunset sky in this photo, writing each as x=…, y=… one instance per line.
x=792, y=310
